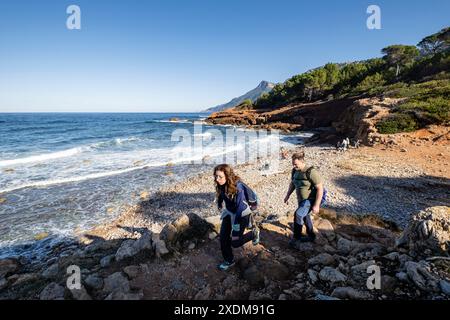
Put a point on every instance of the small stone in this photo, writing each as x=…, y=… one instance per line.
x=160, y=248
x=212, y=235
x=331, y=275
x=191, y=246
x=324, y=297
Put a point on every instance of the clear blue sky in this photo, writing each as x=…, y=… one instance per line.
x=184, y=55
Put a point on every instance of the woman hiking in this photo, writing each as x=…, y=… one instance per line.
x=235, y=217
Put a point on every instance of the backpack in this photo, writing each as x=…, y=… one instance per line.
x=250, y=196
x=308, y=176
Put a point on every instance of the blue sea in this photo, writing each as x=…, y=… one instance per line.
x=61, y=173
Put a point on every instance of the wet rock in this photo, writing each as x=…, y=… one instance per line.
x=94, y=282
x=116, y=282
x=349, y=293
x=53, y=291
x=324, y=259
x=332, y=275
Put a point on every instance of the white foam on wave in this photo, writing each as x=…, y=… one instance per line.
x=178, y=160
x=43, y=157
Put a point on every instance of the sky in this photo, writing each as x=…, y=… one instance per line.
x=185, y=55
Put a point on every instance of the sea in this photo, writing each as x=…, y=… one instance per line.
x=65, y=172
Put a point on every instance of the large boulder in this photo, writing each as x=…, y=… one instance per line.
x=185, y=228
x=130, y=248
x=116, y=282
x=428, y=231
x=332, y=275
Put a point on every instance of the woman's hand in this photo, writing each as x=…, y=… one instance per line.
x=315, y=209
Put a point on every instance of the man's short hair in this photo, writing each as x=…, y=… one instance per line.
x=298, y=156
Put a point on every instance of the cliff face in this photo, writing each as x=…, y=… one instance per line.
x=353, y=118
x=253, y=95
x=293, y=117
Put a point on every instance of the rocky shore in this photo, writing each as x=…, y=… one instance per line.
x=166, y=247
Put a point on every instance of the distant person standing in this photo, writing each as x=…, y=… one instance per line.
x=307, y=183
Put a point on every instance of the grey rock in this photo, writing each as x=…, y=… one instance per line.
x=80, y=294
x=126, y=250
x=393, y=256
x=419, y=274
x=332, y=275
x=253, y=276
x=402, y=276
x=349, y=293
x=94, y=282
x=360, y=270
x=132, y=271
x=160, y=248
x=324, y=297
x=313, y=276
x=388, y=284
x=118, y=295
x=106, y=261
x=53, y=291
x=324, y=259
x=116, y=282
x=445, y=287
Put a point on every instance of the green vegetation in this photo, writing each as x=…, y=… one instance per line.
x=419, y=74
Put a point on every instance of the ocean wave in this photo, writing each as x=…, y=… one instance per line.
x=43, y=157
x=69, y=152
x=178, y=160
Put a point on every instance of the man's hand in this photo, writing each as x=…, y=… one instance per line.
x=315, y=209
x=286, y=200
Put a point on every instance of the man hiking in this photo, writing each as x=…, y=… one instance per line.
x=307, y=183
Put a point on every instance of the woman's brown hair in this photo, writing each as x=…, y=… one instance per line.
x=231, y=184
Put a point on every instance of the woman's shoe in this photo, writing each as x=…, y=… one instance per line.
x=224, y=266
x=255, y=236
